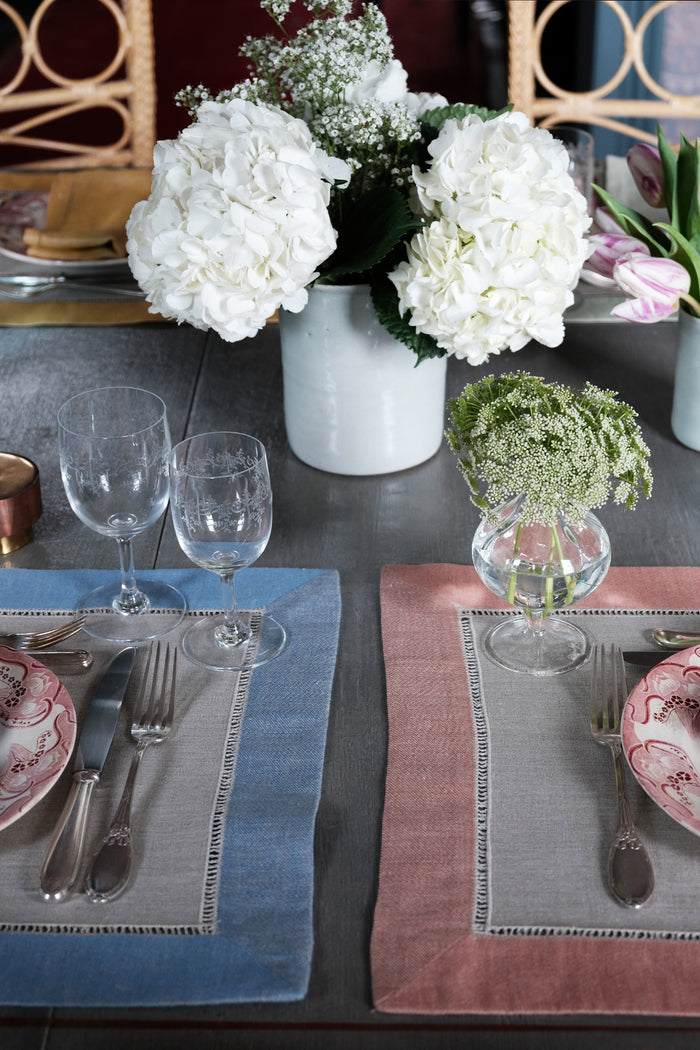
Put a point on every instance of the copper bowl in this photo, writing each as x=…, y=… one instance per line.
x=20, y=501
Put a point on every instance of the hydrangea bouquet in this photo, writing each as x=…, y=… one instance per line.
x=323, y=167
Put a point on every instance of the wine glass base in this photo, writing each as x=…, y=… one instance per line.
x=201, y=647
x=559, y=647
x=103, y=621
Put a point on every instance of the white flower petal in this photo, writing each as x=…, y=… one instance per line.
x=237, y=221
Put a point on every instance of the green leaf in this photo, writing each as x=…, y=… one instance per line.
x=687, y=188
x=634, y=224
x=370, y=229
x=437, y=118
x=669, y=164
x=684, y=253
x=385, y=300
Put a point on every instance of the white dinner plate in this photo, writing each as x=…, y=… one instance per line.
x=74, y=266
x=661, y=735
x=37, y=732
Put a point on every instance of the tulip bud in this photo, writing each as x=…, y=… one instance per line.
x=657, y=285
x=609, y=249
x=645, y=164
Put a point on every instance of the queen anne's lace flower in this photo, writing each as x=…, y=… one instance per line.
x=516, y=434
x=237, y=220
x=497, y=265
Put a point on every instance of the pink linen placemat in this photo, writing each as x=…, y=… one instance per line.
x=426, y=956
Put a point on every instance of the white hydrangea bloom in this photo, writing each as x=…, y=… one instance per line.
x=498, y=264
x=420, y=102
x=387, y=83
x=237, y=220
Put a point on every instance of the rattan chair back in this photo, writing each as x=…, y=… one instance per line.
x=126, y=86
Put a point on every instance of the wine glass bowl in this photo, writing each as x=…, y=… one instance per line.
x=221, y=503
x=114, y=444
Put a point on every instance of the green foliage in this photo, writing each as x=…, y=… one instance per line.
x=437, y=118
x=369, y=229
x=385, y=300
x=634, y=224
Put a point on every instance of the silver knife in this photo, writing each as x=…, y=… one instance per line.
x=61, y=867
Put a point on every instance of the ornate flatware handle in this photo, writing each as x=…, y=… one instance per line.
x=61, y=866
x=630, y=872
x=110, y=870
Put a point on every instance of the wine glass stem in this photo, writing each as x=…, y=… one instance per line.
x=536, y=624
x=130, y=599
x=232, y=631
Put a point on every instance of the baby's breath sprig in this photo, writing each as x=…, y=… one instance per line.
x=568, y=451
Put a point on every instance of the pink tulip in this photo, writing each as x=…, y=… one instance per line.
x=608, y=250
x=604, y=222
x=656, y=284
x=645, y=164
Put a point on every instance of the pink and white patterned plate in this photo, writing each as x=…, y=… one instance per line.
x=37, y=732
x=661, y=735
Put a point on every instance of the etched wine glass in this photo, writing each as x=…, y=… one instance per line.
x=114, y=444
x=221, y=502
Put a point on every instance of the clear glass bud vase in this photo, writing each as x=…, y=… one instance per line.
x=539, y=569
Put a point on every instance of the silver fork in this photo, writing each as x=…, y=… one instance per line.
x=630, y=873
x=111, y=866
x=40, y=639
x=27, y=287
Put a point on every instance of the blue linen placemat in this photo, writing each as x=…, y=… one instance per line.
x=262, y=945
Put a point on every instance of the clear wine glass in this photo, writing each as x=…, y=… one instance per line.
x=221, y=502
x=114, y=444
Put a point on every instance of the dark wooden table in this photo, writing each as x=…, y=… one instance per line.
x=355, y=525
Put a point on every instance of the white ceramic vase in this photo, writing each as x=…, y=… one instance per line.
x=685, y=415
x=355, y=402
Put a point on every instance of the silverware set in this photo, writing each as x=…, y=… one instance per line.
x=630, y=872
x=60, y=872
x=110, y=869
x=67, y=661
x=111, y=866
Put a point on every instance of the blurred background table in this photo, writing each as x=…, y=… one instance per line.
x=354, y=525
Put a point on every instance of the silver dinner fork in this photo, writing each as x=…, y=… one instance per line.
x=27, y=287
x=111, y=866
x=630, y=874
x=41, y=639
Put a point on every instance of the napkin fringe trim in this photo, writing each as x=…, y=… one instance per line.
x=212, y=878
x=603, y=933
x=482, y=867
x=469, y=611
x=85, y=929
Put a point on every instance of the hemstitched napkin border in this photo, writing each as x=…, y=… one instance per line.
x=425, y=955
x=215, y=752
x=262, y=948
x=545, y=799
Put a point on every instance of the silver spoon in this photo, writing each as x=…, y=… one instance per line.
x=675, y=639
